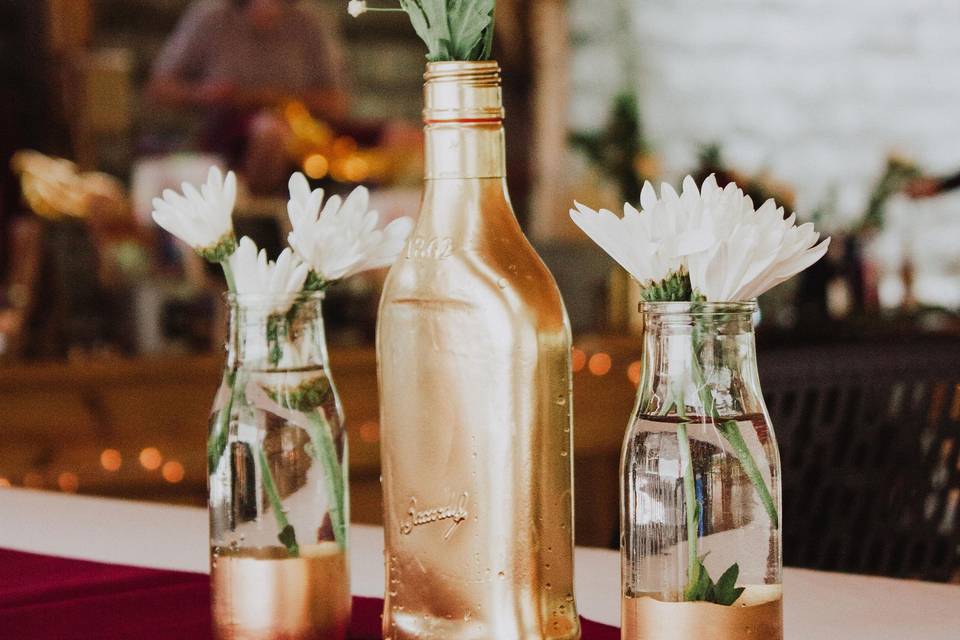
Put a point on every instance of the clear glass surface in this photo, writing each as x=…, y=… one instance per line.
x=700, y=483
x=277, y=455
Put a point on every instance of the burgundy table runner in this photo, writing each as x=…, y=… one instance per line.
x=48, y=598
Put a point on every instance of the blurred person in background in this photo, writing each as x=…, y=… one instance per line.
x=239, y=61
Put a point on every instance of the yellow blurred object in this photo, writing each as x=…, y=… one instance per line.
x=317, y=148
x=316, y=166
x=54, y=188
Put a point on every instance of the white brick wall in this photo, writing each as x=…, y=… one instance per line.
x=818, y=92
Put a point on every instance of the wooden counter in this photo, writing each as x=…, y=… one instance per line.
x=57, y=419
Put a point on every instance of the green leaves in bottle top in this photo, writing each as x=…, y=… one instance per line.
x=451, y=29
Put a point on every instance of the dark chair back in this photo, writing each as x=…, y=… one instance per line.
x=869, y=438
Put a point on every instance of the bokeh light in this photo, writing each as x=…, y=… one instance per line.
x=111, y=460
x=633, y=372
x=316, y=166
x=68, y=482
x=150, y=459
x=173, y=471
x=600, y=364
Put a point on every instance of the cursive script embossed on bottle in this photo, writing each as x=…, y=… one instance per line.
x=473, y=349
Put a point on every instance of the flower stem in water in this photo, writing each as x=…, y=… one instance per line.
x=217, y=442
x=287, y=535
x=731, y=432
x=326, y=453
x=692, y=508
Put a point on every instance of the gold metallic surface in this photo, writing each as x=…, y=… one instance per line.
x=458, y=91
x=757, y=615
x=474, y=363
x=265, y=595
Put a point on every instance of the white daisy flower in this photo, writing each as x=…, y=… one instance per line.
x=703, y=243
x=342, y=239
x=760, y=252
x=203, y=219
x=650, y=244
x=275, y=283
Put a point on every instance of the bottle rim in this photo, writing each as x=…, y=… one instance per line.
x=688, y=308
x=269, y=300
x=462, y=92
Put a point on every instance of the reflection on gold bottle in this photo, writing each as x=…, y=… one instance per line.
x=264, y=594
x=474, y=361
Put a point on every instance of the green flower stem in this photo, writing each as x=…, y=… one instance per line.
x=287, y=535
x=228, y=275
x=692, y=508
x=217, y=441
x=326, y=453
x=731, y=432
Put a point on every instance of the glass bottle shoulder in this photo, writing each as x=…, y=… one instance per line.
x=482, y=262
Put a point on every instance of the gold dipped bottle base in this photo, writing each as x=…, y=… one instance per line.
x=757, y=615
x=262, y=594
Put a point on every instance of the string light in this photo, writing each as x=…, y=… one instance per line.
x=316, y=166
x=68, y=482
x=111, y=460
x=150, y=459
x=600, y=364
x=173, y=472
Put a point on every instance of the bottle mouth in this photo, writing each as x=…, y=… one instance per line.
x=484, y=73
x=462, y=92
x=689, y=309
x=259, y=300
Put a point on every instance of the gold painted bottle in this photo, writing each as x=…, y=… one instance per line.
x=473, y=349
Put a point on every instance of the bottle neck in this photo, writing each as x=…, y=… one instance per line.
x=463, y=114
x=700, y=362
x=282, y=334
x=465, y=150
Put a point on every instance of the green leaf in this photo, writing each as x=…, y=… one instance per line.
x=288, y=538
x=700, y=588
x=467, y=20
x=724, y=592
x=487, y=42
x=453, y=29
x=428, y=18
x=729, y=578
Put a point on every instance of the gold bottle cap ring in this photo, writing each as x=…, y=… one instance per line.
x=462, y=92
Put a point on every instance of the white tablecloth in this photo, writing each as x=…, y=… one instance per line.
x=817, y=605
